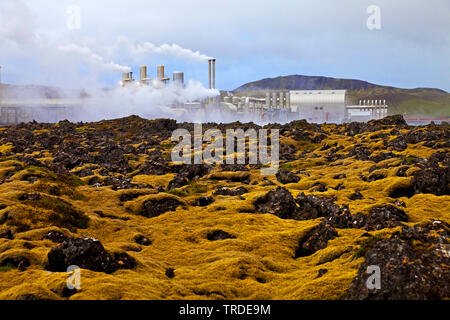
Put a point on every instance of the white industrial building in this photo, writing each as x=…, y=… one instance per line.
x=319, y=105
x=316, y=106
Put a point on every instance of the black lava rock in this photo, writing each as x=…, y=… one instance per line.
x=86, y=253
x=285, y=176
x=219, y=235
x=279, y=202
x=413, y=265
x=315, y=240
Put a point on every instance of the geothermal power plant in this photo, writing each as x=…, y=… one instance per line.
x=271, y=105
x=178, y=76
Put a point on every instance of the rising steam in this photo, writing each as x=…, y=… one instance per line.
x=153, y=101
x=94, y=59
x=63, y=62
x=173, y=50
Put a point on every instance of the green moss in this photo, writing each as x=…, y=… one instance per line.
x=411, y=159
x=72, y=181
x=194, y=188
x=302, y=164
x=307, y=146
x=165, y=146
x=287, y=166
x=65, y=214
x=178, y=192
x=7, y=267
x=7, y=158
x=82, y=130
x=47, y=186
x=130, y=156
x=367, y=244
x=35, y=169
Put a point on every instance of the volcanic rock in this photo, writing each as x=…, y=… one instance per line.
x=203, y=201
x=155, y=207
x=86, y=253
x=143, y=240
x=432, y=179
x=285, y=176
x=225, y=191
x=312, y=207
x=279, y=202
x=413, y=266
x=315, y=240
x=219, y=235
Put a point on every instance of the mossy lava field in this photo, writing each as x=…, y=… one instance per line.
x=106, y=197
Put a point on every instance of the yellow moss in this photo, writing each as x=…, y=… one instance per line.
x=424, y=207
x=395, y=183
x=154, y=180
x=5, y=148
x=258, y=263
x=418, y=150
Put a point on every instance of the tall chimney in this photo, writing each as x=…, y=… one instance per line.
x=161, y=76
x=209, y=73
x=178, y=78
x=160, y=70
x=214, y=73
x=143, y=74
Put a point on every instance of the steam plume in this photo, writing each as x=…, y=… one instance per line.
x=90, y=57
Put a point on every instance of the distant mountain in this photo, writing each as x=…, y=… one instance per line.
x=298, y=82
x=412, y=102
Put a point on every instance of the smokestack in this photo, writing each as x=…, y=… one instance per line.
x=178, y=78
x=160, y=72
x=143, y=74
x=214, y=73
x=209, y=73
x=126, y=77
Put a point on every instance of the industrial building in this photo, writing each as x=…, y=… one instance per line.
x=37, y=107
x=273, y=105
x=28, y=103
x=127, y=77
x=313, y=105
x=177, y=78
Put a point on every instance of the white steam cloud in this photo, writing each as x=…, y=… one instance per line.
x=173, y=50
x=18, y=26
x=148, y=101
x=65, y=61
x=88, y=56
x=17, y=23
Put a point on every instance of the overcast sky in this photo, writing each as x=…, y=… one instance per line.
x=251, y=39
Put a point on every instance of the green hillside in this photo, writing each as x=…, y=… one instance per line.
x=411, y=102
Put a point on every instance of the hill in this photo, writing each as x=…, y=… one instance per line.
x=412, y=102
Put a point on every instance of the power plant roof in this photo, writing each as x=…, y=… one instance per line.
x=318, y=96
